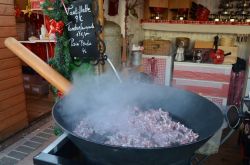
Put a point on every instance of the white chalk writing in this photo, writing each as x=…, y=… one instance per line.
x=76, y=27
x=78, y=10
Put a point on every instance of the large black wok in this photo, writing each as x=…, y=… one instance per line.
x=196, y=112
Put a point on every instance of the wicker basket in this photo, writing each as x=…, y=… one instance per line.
x=157, y=47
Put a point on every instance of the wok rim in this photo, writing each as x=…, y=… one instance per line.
x=139, y=148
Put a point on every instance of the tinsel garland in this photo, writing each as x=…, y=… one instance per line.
x=61, y=61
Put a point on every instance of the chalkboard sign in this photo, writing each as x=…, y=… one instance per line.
x=82, y=31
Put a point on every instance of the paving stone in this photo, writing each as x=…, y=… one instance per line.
x=25, y=149
x=38, y=139
x=32, y=144
x=49, y=131
x=43, y=135
x=17, y=155
x=8, y=161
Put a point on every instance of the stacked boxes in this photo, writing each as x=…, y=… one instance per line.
x=167, y=8
x=35, y=85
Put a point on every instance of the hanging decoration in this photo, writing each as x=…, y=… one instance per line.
x=56, y=27
x=17, y=11
x=61, y=60
x=27, y=10
x=63, y=23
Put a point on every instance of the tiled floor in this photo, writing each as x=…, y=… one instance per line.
x=25, y=148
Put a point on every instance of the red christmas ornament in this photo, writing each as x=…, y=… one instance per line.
x=59, y=94
x=56, y=27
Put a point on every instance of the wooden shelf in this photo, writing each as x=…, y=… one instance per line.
x=197, y=28
x=37, y=41
x=39, y=9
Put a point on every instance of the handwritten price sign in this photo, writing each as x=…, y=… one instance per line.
x=81, y=30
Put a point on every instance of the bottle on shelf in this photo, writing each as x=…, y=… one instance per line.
x=44, y=32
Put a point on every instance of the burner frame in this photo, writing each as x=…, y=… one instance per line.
x=52, y=154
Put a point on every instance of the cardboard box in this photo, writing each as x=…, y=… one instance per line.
x=203, y=44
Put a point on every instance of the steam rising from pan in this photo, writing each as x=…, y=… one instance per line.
x=102, y=99
x=103, y=108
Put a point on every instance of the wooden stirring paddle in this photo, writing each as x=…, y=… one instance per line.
x=41, y=67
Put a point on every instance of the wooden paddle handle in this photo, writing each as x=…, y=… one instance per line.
x=38, y=65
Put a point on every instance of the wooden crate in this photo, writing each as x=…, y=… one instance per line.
x=180, y=4
x=175, y=5
x=158, y=3
x=157, y=47
x=155, y=3
x=203, y=44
